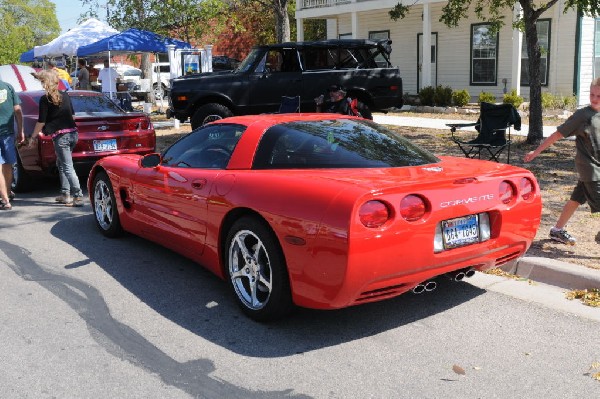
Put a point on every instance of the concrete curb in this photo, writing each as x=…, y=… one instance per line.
x=554, y=272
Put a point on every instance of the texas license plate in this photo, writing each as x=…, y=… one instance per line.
x=105, y=145
x=460, y=231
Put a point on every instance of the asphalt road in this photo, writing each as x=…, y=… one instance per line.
x=82, y=316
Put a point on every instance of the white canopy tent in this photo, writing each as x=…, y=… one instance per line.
x=87, y=32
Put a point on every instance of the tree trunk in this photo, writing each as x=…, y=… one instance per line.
x=536, y=124
x=146, y=67
x=282, y=21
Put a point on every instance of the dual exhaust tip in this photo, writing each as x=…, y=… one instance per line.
x=425, y=287
x=457, y=275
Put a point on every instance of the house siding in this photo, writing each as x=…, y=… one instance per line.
x=453, y=48
x=586, y=59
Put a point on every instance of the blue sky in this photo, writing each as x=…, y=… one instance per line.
x=67, y=13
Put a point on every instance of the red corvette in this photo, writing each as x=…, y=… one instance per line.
x=316, y=210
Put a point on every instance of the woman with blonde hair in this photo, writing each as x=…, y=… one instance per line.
x=56, y=120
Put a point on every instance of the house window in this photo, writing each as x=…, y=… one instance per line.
x=380, y=35
x=345, y=36
x=484, y=54
x=543, y=31
x=597, y=49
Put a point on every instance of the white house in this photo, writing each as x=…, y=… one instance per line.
x=468, y=57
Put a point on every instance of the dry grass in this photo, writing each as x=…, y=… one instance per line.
x=554, y=169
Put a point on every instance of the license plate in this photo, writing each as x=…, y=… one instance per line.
x=105, y=145
x=460, y=231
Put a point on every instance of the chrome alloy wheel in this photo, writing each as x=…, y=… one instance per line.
x=250, y=269
x=103, y=205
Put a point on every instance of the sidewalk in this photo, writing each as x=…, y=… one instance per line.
x=544, y=270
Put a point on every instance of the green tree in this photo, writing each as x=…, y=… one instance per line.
x=280, y=10
x=494, y=12
x=25, y=23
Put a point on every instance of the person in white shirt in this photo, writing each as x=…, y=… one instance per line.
x=108, y=77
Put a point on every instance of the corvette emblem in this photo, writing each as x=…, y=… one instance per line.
x=103, y=127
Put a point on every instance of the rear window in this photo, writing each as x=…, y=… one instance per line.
x=87, y=105
x=336, y=143
x=97, y=105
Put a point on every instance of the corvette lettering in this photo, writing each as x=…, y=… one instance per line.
x=465, y=201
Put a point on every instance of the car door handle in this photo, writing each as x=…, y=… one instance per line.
x=199, y=184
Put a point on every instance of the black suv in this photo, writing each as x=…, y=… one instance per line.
x=304, y=69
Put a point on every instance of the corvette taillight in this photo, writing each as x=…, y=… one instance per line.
x=526, y=189
x=507, y=192
x=374, y=214
x=412, y=208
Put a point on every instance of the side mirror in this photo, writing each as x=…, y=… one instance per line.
x=150, y=160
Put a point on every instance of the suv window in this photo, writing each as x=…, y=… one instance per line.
x=341, y=58
x=279, y=60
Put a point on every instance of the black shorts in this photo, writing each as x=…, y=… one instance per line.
x=587, y=191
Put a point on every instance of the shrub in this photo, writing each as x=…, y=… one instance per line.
x=548, y=101
x=485, y=97
x=426, y=95
x=442, y=96
x=513, y=98
x=567, y=102
x=461, y=98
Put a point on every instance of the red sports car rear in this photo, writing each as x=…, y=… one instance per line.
x=321, y=211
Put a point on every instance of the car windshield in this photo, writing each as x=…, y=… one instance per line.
x=208, y=147
x=336, y=143
x=250, y=60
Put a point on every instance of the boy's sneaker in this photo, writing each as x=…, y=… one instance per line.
x=562, y=236
x=77, y=201
x=64, y=199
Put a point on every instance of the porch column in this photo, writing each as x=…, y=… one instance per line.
x=517, y=42
x=300, y=29
x=332, y=28
x=354, y=18
x=426, y=64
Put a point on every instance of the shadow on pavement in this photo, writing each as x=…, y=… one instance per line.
x=185, y=293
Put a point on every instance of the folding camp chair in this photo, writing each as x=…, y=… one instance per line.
x=289, y=105
x=494, y=120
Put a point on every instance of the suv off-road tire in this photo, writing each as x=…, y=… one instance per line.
x=208, y=113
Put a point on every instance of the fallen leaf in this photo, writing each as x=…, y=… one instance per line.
x=458, y=370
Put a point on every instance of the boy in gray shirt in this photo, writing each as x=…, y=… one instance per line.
x=584, y=124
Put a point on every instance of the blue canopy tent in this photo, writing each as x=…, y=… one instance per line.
x=27, y=56
x=131, y=41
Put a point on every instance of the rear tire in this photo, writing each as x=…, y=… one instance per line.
x=257, y=270
x=208, y=113
x=104, y=205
